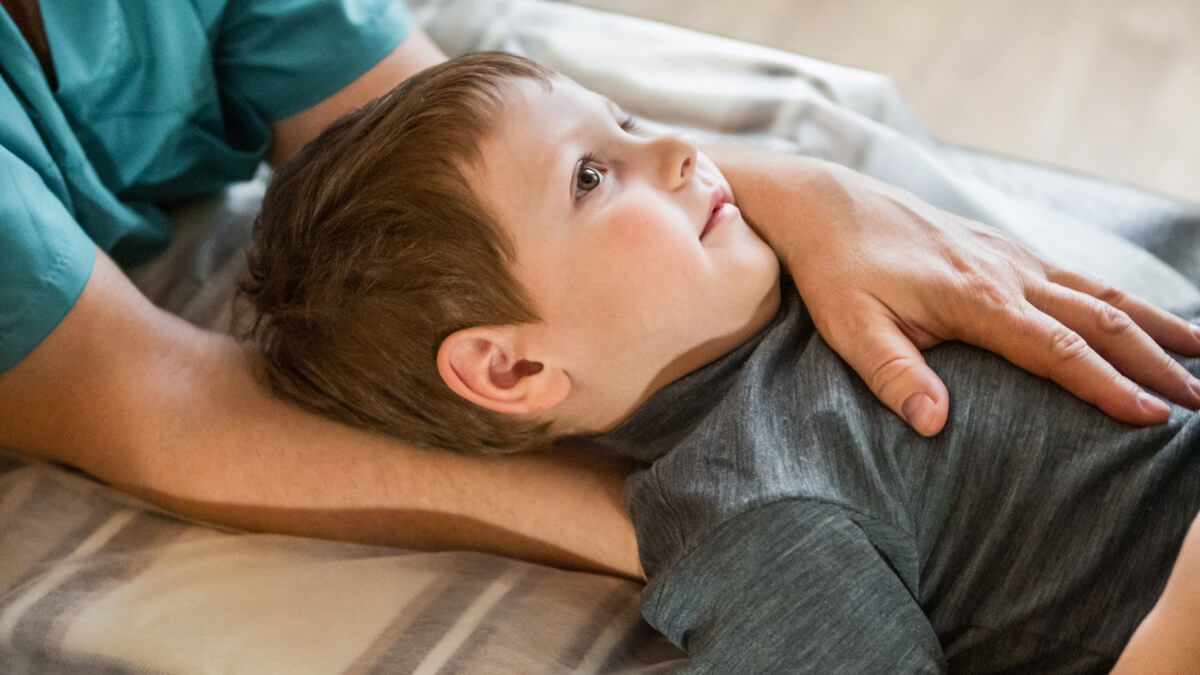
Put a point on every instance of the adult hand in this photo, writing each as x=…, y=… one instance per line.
x=884, y=275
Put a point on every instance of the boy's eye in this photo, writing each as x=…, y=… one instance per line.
x=589, y=178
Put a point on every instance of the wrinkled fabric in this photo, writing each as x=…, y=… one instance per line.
x=789, y=522
x=156, y=102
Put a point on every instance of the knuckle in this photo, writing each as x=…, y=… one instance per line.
x=1011, y=249
x=1114, y=321
x=886, y=373
x=984, y=289
x=1066, y=348
x=1110, y=294
x=1118, y=382
x=1168, y=368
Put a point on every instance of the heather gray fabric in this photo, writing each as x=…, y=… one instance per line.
x=791, y=523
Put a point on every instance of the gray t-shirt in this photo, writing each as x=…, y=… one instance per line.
x=788, y=522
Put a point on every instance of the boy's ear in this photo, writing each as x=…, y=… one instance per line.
x=482, y=365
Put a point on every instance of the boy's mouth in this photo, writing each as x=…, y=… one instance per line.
x=718, y=207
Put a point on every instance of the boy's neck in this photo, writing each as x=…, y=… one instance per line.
x=584, y=414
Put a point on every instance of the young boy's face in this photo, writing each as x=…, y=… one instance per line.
x=631, y=248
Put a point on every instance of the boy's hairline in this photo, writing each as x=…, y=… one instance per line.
x=473, y=161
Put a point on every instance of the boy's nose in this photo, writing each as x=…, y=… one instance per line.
x=676, y=159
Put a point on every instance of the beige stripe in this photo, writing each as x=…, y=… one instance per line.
x=466, y=624
x=616, y=629
x=61, y=572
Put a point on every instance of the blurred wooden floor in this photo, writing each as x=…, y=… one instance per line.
x=1111, y=87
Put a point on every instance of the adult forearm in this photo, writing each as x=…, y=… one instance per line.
x=1166, y=642
x=245, y=459
x=175, y=415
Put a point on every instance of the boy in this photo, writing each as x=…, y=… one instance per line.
x=491, y=257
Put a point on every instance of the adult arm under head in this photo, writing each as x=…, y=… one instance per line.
x=885, y=274
x=176, y=415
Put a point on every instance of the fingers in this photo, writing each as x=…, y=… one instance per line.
x=1168, y=330
x=1040, y=344
x=1117, y=337
x=892, y=367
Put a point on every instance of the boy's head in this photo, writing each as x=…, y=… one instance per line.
x=490, y=256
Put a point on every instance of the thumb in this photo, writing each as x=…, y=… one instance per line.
x=892, y=366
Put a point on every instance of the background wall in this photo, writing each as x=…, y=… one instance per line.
x=1111, y=87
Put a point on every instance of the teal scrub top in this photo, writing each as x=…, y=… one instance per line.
x=156, y=102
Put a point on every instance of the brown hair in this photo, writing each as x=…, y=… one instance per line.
x=371, y=248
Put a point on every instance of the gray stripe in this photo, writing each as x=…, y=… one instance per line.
x=34, y=539
x=47, y=622
x=436, y=609
x=26, y=661
x=392, y=636
x=509, y=608
x=605, y=613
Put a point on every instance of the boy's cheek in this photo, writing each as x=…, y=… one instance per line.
x=636, y=227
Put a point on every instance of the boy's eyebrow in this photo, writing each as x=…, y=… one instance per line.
x=553, y=159
x=556, y=149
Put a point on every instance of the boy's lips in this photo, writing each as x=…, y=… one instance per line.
x=718, y=207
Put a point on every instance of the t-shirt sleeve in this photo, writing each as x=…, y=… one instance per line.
x=792, y=587
x=45, y=259
x=283, y=56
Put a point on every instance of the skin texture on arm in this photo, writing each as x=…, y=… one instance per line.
x=885, y=275
x=145, y=401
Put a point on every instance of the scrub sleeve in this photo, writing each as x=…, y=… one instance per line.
x=156, y=102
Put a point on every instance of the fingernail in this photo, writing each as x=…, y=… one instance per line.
x=916, y=407
x=1151, y=404
x=1196, y=332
